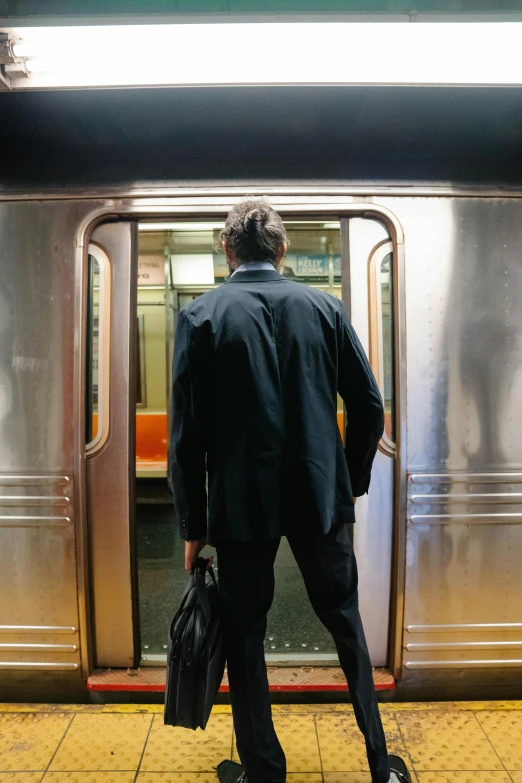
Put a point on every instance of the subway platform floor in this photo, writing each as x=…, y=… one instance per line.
x=443, y=742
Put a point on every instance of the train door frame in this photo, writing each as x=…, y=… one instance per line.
x=110, y=453
x=199, y=206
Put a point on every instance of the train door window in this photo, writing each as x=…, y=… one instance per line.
x=91, y=408
x=141, y=379
x=381, y=333
x=179, y=261
x=387, y=343
x=97, y=347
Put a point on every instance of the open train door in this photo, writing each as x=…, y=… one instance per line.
x=110, y=437
x=372, y=311
x=351, y=257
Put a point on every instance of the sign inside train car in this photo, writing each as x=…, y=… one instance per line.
x=151, y=270
x=312, y=267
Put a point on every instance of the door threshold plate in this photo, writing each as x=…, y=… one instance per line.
x=282, y=678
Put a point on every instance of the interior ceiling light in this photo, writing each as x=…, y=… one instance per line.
x=180, y=226
x=189, y=226
x=303, y=53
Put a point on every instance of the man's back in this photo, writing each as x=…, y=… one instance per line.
x=264, y=358
x=257, y=367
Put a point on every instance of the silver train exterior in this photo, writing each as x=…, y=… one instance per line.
x=445, y=527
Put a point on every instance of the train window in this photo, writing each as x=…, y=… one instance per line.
x=387, y=343
x=97, y=344
x=381, y=334
x=141, y=377
x=91, y=408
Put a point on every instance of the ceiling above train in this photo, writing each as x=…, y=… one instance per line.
x=259, y=90
x=99, y=10
x=256, y=135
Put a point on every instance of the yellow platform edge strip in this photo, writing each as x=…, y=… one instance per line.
x=225, y=709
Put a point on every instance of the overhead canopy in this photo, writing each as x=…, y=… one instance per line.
x=99, y=10
x=120, y=138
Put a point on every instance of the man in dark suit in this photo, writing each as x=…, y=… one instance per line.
x=258, y=363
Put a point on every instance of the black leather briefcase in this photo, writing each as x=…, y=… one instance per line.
x=196, y=657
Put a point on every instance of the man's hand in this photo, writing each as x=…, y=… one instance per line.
x=192, y=550
x=355, y=501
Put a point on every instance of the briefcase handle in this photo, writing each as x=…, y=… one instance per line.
x=199, y=572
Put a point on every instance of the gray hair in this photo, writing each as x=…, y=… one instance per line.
x=254, y=231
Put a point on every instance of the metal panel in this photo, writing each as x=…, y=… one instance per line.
x=110, y=472
x=37, y=573
x=37, y=337
x=464, y=333
x=463, y=576
x=39, y=618
x=464, y=454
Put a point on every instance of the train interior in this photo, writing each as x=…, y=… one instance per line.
x=179, y=260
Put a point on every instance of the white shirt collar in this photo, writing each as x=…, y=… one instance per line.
x=254, y=266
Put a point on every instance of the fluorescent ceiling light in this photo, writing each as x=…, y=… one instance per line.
x=270, y=54
x=214, y=226
x=180, y=226
x=313, y=223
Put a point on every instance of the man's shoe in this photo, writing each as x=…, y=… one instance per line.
x=398, y=770
x=230, y=772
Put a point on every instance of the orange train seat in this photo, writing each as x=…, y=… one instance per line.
x=151, y=439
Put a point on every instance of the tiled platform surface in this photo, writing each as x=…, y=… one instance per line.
x=467, y=742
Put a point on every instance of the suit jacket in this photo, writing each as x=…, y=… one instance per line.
x=257, y=366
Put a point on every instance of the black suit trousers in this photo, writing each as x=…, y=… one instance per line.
x=246, y=583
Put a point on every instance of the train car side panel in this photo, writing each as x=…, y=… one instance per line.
x=464, y=453
x=39, y=618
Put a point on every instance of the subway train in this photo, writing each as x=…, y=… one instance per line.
x=98, y=256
